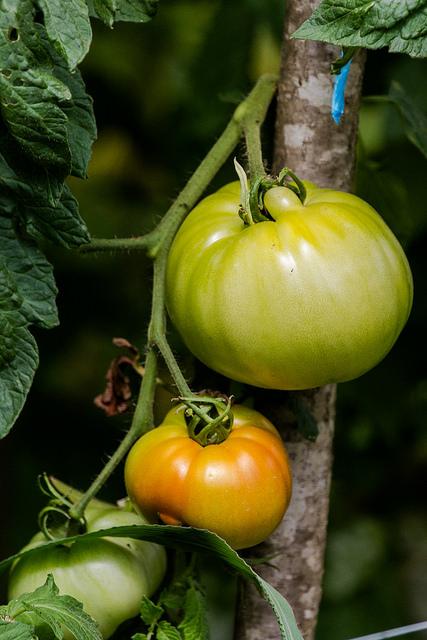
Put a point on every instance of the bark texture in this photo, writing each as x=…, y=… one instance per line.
x=312, y=145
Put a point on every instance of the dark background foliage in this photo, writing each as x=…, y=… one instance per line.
x=163, y=92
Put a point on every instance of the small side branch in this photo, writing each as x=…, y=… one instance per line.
x=138, y=243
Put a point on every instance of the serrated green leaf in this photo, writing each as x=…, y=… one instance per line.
x=31, y=272
x=65, y=611
x=165, y=631
x=136, y=10
x=10, y=315
x=19, y=265
x=106, y=10
x=29, y=93
x=27, y=104
x=81, y=125
x=188, y=538
x=172, y=600
x=78, y=110
x=68, y=27
x=61, y=224
x=47, y=129
x=62, y=136
x=415, y=120
x=400, y=26
x=123, y=10
x=149, y=611
x=46, y=591
x=282, y=609
x=139, y=636
x=57, y=611
x=15, y=630
x=194, y=625
x=16, y=379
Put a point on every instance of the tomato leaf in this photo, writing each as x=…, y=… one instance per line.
x=47, y=129
x=27, y=296
x=14, y=630
x=415, y=120
x=106, y=10
x=166, y=631
x=136, y=10
x=31, y=272
x=194, y=625
x=16, y=378
x=30, y=94
x=60, y=223
x=56, y=611
x=68, y=27
x=150, y=612
x=110, y=11
x=81, y=125
x=400, y=26
x=30, y=111
x=191, y=539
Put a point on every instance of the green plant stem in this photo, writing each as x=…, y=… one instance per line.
x=254, y=149
x=246, y=119
x=157, y=327
x=252, y=115
x=141, y=243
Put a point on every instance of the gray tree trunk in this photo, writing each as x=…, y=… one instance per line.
x=312, y=145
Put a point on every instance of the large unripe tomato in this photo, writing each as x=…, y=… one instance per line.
x=239, y=488
x=319, y=294
x=108, y=575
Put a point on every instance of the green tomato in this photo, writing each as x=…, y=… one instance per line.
x=108, y=575
x=318, y=294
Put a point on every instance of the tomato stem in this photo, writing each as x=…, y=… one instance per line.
x=252, y=132
x=202, y=427
x=246, y=120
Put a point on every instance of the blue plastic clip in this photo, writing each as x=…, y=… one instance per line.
x=337, y=104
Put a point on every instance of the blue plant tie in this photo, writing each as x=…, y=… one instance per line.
x=337, y=104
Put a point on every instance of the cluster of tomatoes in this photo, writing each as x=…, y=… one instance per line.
x=315, y=293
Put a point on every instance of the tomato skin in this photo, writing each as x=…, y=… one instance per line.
x=318, y=295
x=239, y=489
x=108, y=575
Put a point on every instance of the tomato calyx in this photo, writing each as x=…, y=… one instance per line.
x=54, y=519
x=297, y=186
x=252, y=208
x=209, y=419
x=261, y=186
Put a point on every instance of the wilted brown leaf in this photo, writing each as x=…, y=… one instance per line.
x=116, y=397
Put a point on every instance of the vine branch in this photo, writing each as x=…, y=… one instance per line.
x=246, y=120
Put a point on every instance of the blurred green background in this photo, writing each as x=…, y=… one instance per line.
x=163, y=92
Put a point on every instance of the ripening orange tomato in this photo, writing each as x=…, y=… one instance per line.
x=239, y=489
